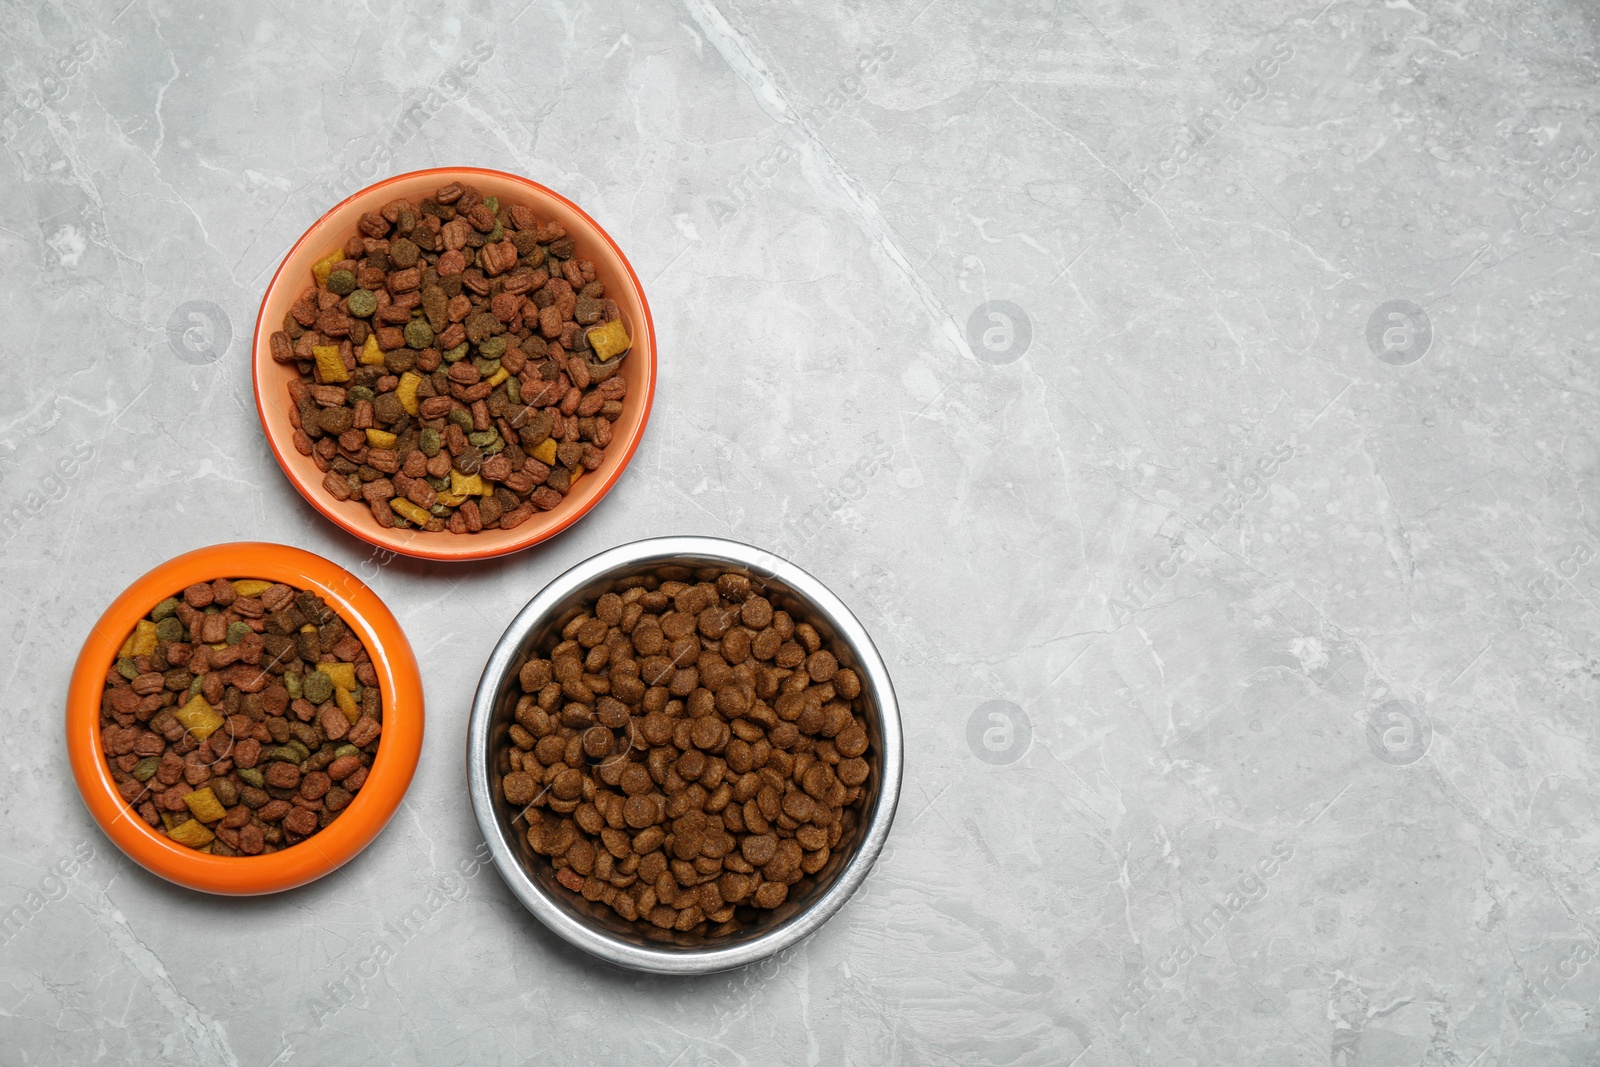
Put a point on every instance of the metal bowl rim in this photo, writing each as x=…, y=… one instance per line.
x=590, y=938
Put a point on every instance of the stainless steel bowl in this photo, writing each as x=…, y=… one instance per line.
x=593, y=926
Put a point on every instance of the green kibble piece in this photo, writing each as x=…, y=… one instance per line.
x=301, y=751
x=493, y=347
x=317, y=687
x=514, y=390
x=456, y=353
x=165, y=610
x=486, y=367
x=346, y=750
x=462, y=418
x=493, y=204
x=127, y=669
x=342, y=282
x=236, y=632
x=291, y=682
x=250, y=775
x=494, y=447
x=362, y=302
x=169, y=629
x=496, y=235
x=440, y=511
x=430, y=442
x=440, y=485
x=483, y=438
x=418, y=333
x=145, y=769
x=401, y=524
x=361, y=392
x=194, y=686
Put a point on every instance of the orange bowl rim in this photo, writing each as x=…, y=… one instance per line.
x=451, y=548
x=399, y=683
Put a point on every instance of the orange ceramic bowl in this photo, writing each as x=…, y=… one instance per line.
x=329, y=233
x=325, y=851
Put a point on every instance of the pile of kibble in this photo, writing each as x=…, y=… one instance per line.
x=687, y=750
x=241, y=717
x=457, y=364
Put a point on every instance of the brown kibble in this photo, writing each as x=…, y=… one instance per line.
x=364, y=732
x=709, y=733
x=756, y=612
x=852, y=741
x=852, y=772
x=283, y=775
x=520, y=788
x=343, y=767
x=597, y=742
x=636, y=780
x=701, y=745
x=427, y=285
x=244, y=723
x=568, y=784
x=821, y=665
x=639, y=811
x=315, y=785
x=334, y=723
x=686, y=846
x=758, y=849
x=301, y=821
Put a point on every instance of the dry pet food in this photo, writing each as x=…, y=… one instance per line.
x=457, y=364
x=687, y=750
x=240, y=717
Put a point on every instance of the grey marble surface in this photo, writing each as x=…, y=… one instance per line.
x=1233, y=544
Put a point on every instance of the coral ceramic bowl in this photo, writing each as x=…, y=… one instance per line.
x=399, y=682
x=328, y=234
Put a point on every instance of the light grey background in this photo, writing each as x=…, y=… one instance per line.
x=1295, y=644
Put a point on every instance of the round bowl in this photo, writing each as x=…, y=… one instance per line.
x=329, y=233
x=399, y=682
x=594, y=927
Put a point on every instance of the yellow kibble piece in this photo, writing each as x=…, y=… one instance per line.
x=450, y=500
x=142, y=641
x=192, y=833
x=251, y=587
x=204, y=805
x=343, y=674
x=579, y=473
x=467, y=484
x=371, y=354
x=380, y=438
x=407, y=392
x=609, y=340
x=308, y=628
x=498, y=376
x=546, y=451
x=330, y=367
x=347, y=704
x=169, y=819
x=324, y=266
x=198, y=717
x=409, y=511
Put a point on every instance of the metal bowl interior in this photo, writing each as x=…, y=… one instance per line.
x=593, y=926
